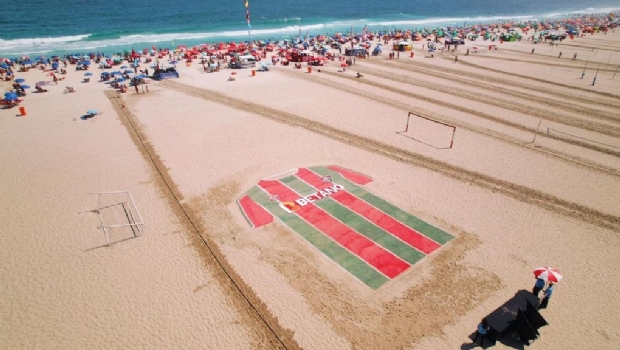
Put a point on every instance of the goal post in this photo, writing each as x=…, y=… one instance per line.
x=410, y=114
x=122, y=202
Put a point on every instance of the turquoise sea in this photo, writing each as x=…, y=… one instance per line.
x=46, y=27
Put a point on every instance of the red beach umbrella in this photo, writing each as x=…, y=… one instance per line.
x=548, y=274
x=344, y=65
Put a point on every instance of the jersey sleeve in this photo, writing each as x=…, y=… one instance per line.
x=256, y=215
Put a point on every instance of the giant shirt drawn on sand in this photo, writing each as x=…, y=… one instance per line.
x=369, y=237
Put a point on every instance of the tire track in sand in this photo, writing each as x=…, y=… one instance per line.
x=477, y=114
x=519, y=192
x=552, y=153
x=483, y=84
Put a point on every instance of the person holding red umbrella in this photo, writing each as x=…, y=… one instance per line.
x=545, y=274
x=547, y=295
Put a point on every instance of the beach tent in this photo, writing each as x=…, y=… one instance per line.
x=402, y=46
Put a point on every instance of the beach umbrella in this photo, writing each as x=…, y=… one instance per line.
x=119, y=80
x=41, y=83
x=548, y=274
x=88, y=74
x=129, y=71
x=20, y=80
x=123, y=67
x=92, y=112
x=10, y=96
x=24, y=86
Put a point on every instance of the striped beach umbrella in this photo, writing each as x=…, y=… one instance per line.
x=548, y=274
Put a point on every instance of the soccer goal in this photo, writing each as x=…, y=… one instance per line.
x=429, y=131
x=118, y=215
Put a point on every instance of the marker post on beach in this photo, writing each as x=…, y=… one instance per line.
x=618, y=66
x=596, y=75
x=584, y=68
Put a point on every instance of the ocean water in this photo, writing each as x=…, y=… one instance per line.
x=47, y=27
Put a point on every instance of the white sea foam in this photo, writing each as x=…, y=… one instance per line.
x=80, y=43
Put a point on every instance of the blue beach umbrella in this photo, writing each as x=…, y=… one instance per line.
x=20, y=80
x=119, y=80
x=88, y=74
x=24, y=86
x=123, y=67
x=10, y=96
x=129, y=71
x=86, y=63
x=92, y=112
x=116, y=72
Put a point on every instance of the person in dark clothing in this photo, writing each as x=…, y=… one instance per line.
x=538, y=286
x=481, y=333
x=546, y=296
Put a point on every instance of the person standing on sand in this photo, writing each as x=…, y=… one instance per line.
x=560, y=55
x=575, y=56
x=547, y=295
x=483, y=328
x=456, y=58
x=137, y=91
x=538, y=286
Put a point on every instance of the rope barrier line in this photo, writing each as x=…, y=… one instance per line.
x=197, y=231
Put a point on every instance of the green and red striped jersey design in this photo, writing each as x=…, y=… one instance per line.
x=371, y=238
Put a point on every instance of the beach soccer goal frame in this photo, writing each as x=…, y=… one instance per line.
x=432, y=120
x=129, y=207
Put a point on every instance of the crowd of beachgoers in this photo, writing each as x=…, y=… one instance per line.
x=319, y=48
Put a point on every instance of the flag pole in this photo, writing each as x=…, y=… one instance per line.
x=247, y=18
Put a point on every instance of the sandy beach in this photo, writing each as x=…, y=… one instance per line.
x=532, y=179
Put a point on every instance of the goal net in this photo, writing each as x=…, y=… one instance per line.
x=429, y=131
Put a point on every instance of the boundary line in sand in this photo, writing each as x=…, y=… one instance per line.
x=477, y=113
x=606, y=94
x=470, y=79
x=545, y=151
x=518, y=192
x=114, y=96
